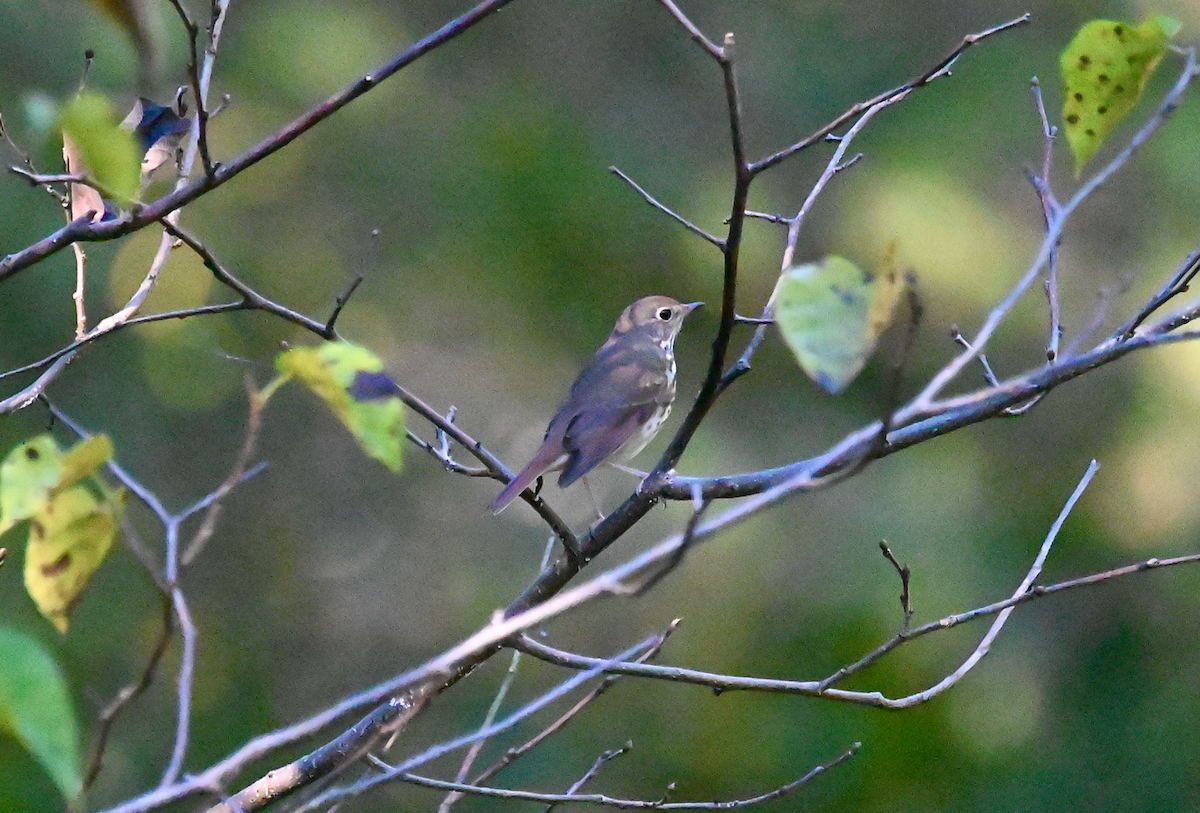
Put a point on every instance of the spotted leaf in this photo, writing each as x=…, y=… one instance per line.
x=1105, y=70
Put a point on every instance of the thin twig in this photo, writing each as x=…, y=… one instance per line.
x=689, y=535
x=633, y=804
x=637, y=505
x=32, y=392
x=721, y=683
x=1041, y=184
x=513, y=754
x=854, y=111
x=448, y=462
x=509, y=676
x=989, y=375
x=199, y=93
x=464, y=769
x=28, y=171
x=130, y=692
x=496, y=469
x=1178, y=284
x=695, y=33
x=340, y=303
x=236, y=476
x=904, y=573
x=687, y=224
x=184, y=685
x=251, y=298
x=590, y=774
x=169, y=585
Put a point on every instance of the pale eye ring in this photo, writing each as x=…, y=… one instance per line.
x=664, y=314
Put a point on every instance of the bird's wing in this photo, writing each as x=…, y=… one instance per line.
x=589, y=442
x=607, y=406
x=621, y=375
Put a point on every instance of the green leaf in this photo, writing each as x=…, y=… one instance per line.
x=36, y=708
x=348, y=378
x=36, y=469
x=109, y=153
x=831, y=314
x=68, y=540
x=1105, y=69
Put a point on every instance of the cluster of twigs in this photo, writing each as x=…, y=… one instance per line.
x=323, y=776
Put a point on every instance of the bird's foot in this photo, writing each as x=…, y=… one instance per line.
x=652, y=483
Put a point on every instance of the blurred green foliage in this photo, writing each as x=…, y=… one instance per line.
x=472, y=192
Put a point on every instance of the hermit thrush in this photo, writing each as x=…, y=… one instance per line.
x=617, y=403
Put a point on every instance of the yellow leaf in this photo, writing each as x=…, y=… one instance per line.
x=36, y=469
x=348, y=378
x=68, y=540
x=831, y=314
x=83, y=460
x=1105, y=69
x=27, y=475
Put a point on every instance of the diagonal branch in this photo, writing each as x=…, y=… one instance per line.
x=153, y=212
x=938, y=70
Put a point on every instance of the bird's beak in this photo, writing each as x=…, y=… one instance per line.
x=691, y=306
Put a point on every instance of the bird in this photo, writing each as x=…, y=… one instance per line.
x=619, y=401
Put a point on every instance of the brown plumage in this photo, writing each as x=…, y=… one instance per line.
x=619, y=401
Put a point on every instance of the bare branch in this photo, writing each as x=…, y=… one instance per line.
x=339, y=304
x=903, y=572
x=1178, y=284
x=464, y=769
x=185, y=194
x=924, y=400
x=31, y=393
x=486, y=732
x=238, y=475
x=633, y=804
x=693, y=32
x=169, y=585
x=251, y=299
x=513, y=754
x=938, y=70
x=687, y=224
x=590, y=774
x=130, y=692
x=1050, y=207
x=199, y=88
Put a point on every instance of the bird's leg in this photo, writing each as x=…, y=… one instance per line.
x=595, y=505
x=641, y=475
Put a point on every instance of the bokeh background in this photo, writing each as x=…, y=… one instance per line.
x=472, y=193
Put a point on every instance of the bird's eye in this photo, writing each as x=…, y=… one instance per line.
x=664, y=314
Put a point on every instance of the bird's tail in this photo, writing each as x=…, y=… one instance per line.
x=546, y=457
